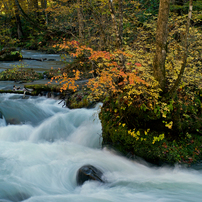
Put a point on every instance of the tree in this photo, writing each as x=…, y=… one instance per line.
x=115, y=25
x=44, y=6
x=33, y=22
x=185, y=54
x=80, y=19
x=18, y=21
x=161, y=47
x=161, y=43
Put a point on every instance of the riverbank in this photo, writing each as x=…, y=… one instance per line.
x=40, y=157
x=135, y=132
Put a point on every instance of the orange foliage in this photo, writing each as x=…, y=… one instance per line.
x=111, y=77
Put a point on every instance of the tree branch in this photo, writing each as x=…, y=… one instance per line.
x=176, y=84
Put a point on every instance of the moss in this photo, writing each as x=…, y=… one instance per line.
x=10, y=54
x=11, y=91
x=35, y=89
x=135, y=132
x=38, y=88
x=20, y=74
x=79, y=100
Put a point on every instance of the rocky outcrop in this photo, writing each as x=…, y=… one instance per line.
x=87, y=173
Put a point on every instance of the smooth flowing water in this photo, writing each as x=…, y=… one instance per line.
x=40, y=65
x=40, y=156
x=54, y=61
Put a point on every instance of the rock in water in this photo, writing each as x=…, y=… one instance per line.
x=13, y=121
x=88, y=172
x=10, y=54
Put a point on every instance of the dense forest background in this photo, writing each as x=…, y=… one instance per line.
x=37, y=23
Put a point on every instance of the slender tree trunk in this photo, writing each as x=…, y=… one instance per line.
x=161, y=43
x=80, y=20
x=185, y=55
x=34, y=23
x=44, y=6
x=116, y=29
x=121, y=19
x=102, y=32
x=18, y=21
x=102, y=36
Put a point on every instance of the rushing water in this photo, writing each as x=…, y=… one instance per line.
x=39, y=158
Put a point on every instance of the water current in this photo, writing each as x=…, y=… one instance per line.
x=41, y=153
x=51, y=61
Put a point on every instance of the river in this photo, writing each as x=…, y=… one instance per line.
x=39, y=65
x=42, y=146
x=41, y=153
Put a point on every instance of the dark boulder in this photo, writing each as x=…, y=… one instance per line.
x=13, y=121
x=88, y=172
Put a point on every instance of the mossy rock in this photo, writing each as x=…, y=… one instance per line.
x=79, y=99
x=38, y=88
x=10, y=55
x=20, y=75
x=186, y=149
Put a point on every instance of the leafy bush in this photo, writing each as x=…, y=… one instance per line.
x=162, y=133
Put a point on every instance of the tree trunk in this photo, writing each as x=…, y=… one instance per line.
x=34, y=23
x=116, y=29
x=121, y=19
x=80, y=20
x=18, y=22
x=44, y=6
x=176, y=84
x=161, y=43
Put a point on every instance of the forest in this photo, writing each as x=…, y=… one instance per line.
x=142, y=60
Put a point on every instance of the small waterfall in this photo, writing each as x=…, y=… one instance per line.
x=2, y=121
x=41, y=153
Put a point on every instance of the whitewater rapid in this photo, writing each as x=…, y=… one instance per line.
x=41, y=153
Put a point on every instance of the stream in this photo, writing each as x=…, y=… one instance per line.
x=52, y=61
x=40, y=156
x=42, y=146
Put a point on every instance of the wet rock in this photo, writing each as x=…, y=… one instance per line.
x=13, y=121
x=40, y=59
x=51, y=60
x=88, y=172
x=10, y=55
